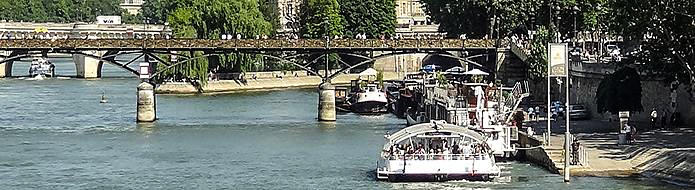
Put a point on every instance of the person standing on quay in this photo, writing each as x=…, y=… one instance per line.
x=654, y=115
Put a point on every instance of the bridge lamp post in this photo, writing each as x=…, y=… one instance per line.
x=575, y=10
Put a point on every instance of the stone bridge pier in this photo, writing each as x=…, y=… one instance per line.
x=6, y=67
x=147, y=103
x=86, y=66
x=327, y=102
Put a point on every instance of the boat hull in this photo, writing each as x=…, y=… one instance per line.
x=437, y=177
x=368, y=107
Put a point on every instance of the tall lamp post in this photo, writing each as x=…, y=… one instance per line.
x=576, y=10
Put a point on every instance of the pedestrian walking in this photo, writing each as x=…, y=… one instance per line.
x=538, y=112
x=663, y=119
x=531, y=113
x=628, y=133
x=654, y=115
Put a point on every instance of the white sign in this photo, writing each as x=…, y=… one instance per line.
x=557, y=60
x=144, y=70
x=109, y=20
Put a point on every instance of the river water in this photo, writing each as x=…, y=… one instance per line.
x=54, y=134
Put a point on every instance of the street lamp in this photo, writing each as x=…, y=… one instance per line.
x=575, y=9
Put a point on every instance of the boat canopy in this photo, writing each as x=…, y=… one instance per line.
x=423, y=128
x=369, y=72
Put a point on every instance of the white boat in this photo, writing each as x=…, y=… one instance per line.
x=436, y=151
x=41, y=67
x=370, y=100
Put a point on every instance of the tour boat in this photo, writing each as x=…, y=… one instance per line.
x=370, y=100
x=436, y=151
x=41, y=67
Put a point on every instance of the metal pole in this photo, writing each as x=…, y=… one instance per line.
x=568, y=135
x=547, y=117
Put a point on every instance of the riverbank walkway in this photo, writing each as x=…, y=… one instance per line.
x=667, y=154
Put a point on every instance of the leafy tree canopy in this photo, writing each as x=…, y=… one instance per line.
x=666, y=30
x=371, y=17
x=538, y=59
x=60, y=11
x=319, y=18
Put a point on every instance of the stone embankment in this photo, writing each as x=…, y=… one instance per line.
x=261, y=81
x=667, y=155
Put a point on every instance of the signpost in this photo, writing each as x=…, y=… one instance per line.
x=558, y=66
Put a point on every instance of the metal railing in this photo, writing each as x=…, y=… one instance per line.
x=347, y=44
x=580, y=157
x=439, y=157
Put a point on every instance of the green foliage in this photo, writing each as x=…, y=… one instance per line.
x=156, y=11
x=58, y=10
x=620, y=91
x=669, y=27
x=320, y=18
x=380, y=78
x=209, y=19
x=271, y=13
x=538, y=58
x=441, y=79
x=476, y=17
x=371, y=17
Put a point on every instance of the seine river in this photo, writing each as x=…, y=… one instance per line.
x=54, y=134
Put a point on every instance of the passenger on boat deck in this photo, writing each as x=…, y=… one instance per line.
x=455, y=149
x=466, y=149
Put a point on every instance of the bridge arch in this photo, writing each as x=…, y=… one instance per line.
x=108, y=57
x=368, y=60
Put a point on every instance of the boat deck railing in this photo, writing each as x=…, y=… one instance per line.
x=440, y=157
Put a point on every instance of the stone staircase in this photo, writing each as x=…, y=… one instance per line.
x=557, y=156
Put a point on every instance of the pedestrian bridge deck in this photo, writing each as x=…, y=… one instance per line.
x=250, y=45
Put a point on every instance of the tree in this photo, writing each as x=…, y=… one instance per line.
x=58, y=10
x=371, y=17
x=209, y=19
x=480, y=18
x=666, y=30
x=271, y=13
x=620, y=91
x=319, y=18
x=156, y=11
x=538, y=58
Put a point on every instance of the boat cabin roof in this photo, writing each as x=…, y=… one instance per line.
x=432, y=130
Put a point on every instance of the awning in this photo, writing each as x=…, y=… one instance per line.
x=369, y=72
x=475, y=72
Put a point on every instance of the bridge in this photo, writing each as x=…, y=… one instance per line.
x=90, y=54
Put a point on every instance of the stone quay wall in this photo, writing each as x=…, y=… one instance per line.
x=263, y=81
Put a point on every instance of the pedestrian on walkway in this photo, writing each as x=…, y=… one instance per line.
x=628, y=133
x=531, y=114
x=654, y=115
x=663, y=119
x=538, y=112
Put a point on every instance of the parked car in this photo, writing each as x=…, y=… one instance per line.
x=578, y=111
x=613, y=50
x=576, y=54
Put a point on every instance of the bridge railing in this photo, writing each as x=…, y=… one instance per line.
x=9, y=44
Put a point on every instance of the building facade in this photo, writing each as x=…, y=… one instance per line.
x=412, y=19
x=132, y=6
x=289, y=15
